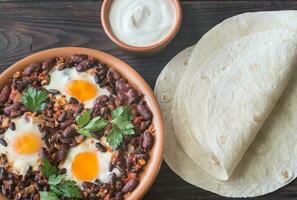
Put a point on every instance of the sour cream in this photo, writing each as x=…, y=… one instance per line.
x=141, y=22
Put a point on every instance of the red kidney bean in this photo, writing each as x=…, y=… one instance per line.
x=69, y=63
x=13, y=110
x=43, y=153
x=122, y=86
x=144, y=111
x=100, y=147
x=97, y=78
x=3, y=174
x=133, y=96
x=148, y=140
x=2, y=130
x=86, y=64
x=48, y=63
x=62, y=153
x=101, y=66
x=130, y=185
x=34, y=67
x=69, y=132
x=102, y=100
x=119, y=196
x=113, y=73
x=19, y=84
x=62, y=171
x=73, y=100
x=4, y=95
x=67, y=123
x=78, y=57
x=88, y=185
x=63, y=116
x=53, y=91
x=113, y=178
x=3, y=142
x=80, y=108
x=11, y=125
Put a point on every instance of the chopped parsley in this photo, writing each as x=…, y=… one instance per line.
x=48, y=196
x=83, y=119
x=59, y=187
x=121, y=125
x=34, y=99
x=48, y=169
x=86, y=125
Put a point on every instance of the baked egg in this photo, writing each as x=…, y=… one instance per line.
x=80, y=85
x=23, y=145
x=85, y=163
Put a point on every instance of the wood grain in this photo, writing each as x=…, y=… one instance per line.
x=30, y=26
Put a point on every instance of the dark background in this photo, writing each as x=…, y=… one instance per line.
x=30, y=26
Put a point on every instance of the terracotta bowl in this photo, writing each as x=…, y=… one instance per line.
x=156, y=155
x=146, y=50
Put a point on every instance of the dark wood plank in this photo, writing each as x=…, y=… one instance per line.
x=30, y=26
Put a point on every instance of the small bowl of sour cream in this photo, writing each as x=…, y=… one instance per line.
x=141, y=26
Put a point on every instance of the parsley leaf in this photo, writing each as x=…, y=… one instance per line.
x=55, y=180
x=117, y=112
x=129, y=131
x=48, y=196
x=69, y=189
x=55, y=190
x=121, y=125
x=96, y=124
x=114, y=137
x=48, y=169
x=34, y=99
x=58, y=185
x=87, y=125
x=84, y=132
x=83, y=119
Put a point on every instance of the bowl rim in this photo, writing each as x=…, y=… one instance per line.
x=156, y=153
x=106, y=26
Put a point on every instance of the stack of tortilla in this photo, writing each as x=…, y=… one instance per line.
x=230, y=106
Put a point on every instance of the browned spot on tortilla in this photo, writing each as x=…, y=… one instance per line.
x=165, y=98
x=215, y=160
x=204, y=77
x=285, y=174
x=222, y=139
x=257, y=119
x=254, y=67
x=224, y=68
x=165, y=78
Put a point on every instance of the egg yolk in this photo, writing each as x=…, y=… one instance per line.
x=27, y=143
x=85, y=166
x=81, y=89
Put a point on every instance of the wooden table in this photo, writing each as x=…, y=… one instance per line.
x=28, y=26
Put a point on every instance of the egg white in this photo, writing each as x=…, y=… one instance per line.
x=103, y=160
x=19, y=162
x=59, y=80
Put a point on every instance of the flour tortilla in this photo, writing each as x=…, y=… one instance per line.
x=235, y=27
x=270, y=162
x=213, y=41
x=235, y=92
